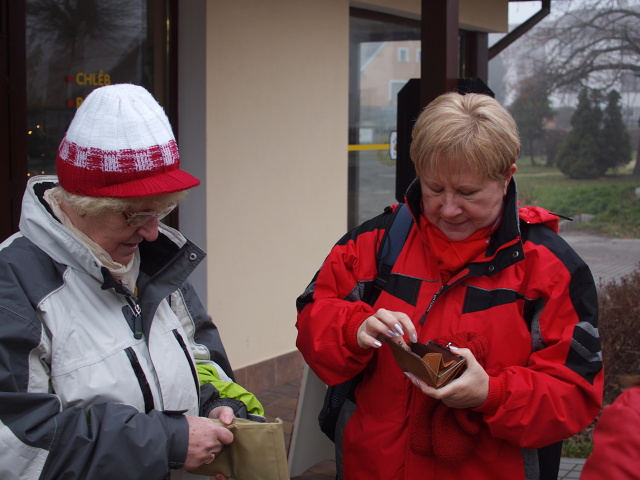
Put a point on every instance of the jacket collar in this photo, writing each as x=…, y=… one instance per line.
x=505, y=247
x=170, y=258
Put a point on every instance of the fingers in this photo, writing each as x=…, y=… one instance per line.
x=224, y=414
x=224, y=436
x=385, y=323
x=469, y=390
x=407, y=325
x=206, y=440
x=426, y=389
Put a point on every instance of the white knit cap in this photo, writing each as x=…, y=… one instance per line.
x=120, y=144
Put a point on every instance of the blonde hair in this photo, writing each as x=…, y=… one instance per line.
x=96, y=205
x=458, y=133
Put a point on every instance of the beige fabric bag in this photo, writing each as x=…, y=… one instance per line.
x=257, y=452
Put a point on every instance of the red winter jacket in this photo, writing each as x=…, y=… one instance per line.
x=616, y=440
x=528, y=307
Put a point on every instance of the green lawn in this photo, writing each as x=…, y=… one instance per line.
x=611, y=199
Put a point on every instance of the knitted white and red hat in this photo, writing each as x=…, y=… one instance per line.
x=120, y=144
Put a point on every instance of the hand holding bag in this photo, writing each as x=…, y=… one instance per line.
x=256, y=453
x=430, y=362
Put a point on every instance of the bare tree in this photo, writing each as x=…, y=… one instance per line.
x=586, y=43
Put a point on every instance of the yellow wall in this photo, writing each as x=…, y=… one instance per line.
x=484, y=16
x=264, y=101
x=403, y=8
x=277, y=98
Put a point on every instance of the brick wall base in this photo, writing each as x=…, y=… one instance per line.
x=276, y=371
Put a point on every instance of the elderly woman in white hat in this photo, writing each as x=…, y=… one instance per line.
x=102, y=339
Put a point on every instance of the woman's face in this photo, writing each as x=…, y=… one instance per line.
x=111, y=232
x=463, y=203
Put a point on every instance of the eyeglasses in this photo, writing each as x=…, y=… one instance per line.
x=140, y=218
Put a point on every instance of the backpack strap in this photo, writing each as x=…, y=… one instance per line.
x=392, y=242
x=390, y=248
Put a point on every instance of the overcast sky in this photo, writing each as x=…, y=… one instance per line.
x=522, y=11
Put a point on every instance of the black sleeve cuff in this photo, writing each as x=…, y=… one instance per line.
x=238, y=407
x=177, y=428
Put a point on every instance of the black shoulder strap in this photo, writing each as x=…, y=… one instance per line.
x=390, y=247
x=392, y=242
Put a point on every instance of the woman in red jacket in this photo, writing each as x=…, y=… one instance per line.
x=616, y=438
x=478, y=273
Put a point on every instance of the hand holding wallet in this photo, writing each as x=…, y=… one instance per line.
x=430, y=362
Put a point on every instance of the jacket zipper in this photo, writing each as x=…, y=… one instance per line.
x=142, y=379
x=194, y=373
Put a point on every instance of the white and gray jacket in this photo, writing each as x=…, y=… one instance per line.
x=82, y=395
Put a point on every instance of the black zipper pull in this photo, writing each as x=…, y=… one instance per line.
x=134, y=316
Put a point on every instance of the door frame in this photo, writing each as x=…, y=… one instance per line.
x=13, y=114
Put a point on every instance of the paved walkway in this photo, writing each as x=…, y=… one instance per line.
x=570, y=468
x=608, y=258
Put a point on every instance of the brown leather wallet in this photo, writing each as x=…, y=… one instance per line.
x=430, y=362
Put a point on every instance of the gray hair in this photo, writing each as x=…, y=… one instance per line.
x=97, y=205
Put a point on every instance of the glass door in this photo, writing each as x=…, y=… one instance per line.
x=75, y=46
x=384, y=54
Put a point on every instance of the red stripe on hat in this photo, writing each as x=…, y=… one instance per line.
x=84, y=171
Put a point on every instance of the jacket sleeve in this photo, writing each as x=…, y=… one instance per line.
x=215, y=392
x=616, y=440
x=331, y=308
x=40, y=440
x=561, y=384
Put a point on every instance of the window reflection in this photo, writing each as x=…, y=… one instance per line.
x=384, y=55
x=75, y=46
